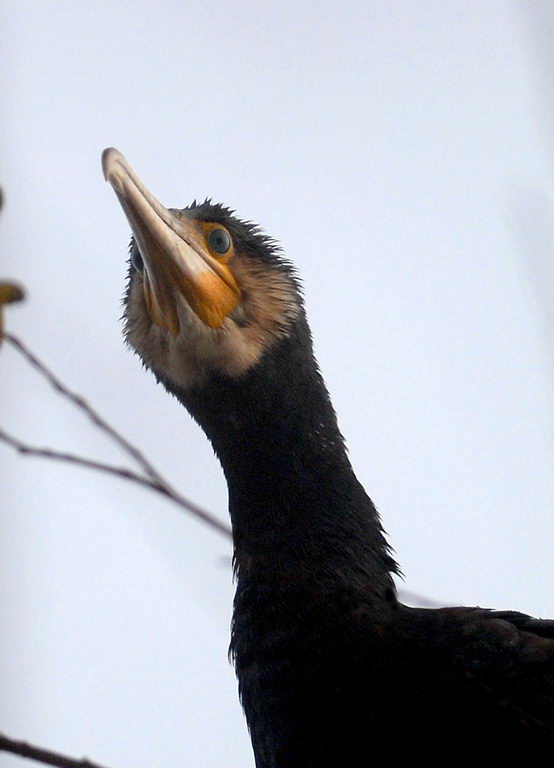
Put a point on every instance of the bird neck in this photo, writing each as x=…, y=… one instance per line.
x=294, y=500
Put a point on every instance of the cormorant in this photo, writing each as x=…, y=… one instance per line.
x=332, y=668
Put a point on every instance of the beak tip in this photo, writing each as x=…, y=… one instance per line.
x=110, y=157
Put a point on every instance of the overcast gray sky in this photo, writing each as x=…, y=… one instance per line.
x=402, y=153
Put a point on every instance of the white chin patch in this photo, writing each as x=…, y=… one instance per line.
x=197, y=352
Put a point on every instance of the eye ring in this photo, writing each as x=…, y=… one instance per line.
x=219, y=240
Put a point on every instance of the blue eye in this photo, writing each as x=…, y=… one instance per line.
x=219, y=240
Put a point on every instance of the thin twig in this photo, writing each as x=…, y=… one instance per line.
x=23, y=749
x=50, y=453
x=127, y=474
x=84, y=406
x=152, y=478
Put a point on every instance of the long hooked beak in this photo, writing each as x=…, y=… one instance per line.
x=177, y=261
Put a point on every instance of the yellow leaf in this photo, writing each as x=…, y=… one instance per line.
x=9, y=292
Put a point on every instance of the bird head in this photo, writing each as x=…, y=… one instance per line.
x=207, y=293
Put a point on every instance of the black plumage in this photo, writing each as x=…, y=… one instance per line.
x=331, y=666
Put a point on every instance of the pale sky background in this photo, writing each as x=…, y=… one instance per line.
x=403, y=153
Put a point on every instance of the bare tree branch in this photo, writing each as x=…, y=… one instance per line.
x=45, y=756
x=82, y=404
x=158, y=486
x=151, y=479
